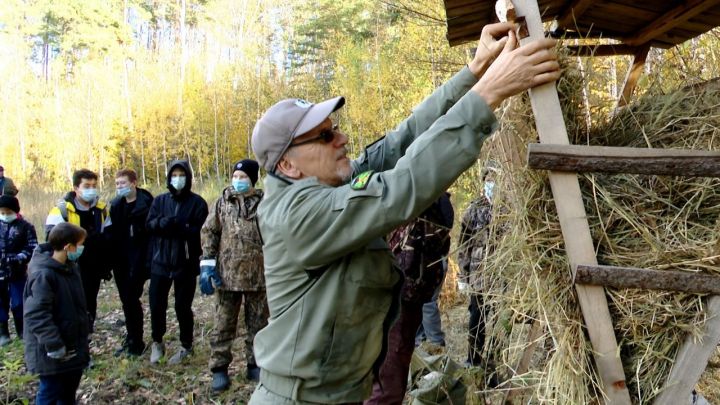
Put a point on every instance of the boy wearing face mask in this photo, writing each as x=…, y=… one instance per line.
x=56, y=318
x=233, y=261
x=472, y=252
x=17, y=242
x=83, y=207
x=174, y=223
x=131, y=265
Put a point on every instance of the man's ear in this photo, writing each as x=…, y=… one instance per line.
x=288, y=169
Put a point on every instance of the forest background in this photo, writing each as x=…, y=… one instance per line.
x=107, y=84
x=136, y=83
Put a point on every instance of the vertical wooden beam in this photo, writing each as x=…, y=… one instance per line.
x=633, y=75
x=691, y=360
x=575, y=227
x=533, y=339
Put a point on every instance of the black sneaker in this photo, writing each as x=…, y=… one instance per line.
x=253, y=373
x=136, y=349
x=220, y=381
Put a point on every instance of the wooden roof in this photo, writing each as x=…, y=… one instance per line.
x=661, y=23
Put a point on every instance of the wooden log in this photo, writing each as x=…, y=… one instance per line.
x=633, y=75
x=533, y=339
x=574, y=11
x=609, y=159
x=575, y=228
x=691, y=360
x=647, y=279
x=676, y=16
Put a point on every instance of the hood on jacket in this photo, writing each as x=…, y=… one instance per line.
x=42, y=258
x=185, y=165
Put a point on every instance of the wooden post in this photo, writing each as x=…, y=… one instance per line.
x=691, y=360
x=633, y=75
x=575, y=227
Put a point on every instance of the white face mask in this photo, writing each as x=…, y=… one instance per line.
x=178, y=182
x=488, y=189
x=8, y=218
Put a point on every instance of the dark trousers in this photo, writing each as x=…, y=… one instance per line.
x=476, y=328
x=390, y=389
x=130, y=289
x=11, y=299
x=58, y=389
x=185, y=284
x=91, y=286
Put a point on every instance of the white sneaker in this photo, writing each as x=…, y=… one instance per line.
x=157, y=352
x=178, y=357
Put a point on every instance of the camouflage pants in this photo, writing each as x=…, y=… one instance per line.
x=227, y=311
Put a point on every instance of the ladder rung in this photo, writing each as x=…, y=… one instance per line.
x=631, y=277
x=607, y=159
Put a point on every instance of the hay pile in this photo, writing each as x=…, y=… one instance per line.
x=636, y=221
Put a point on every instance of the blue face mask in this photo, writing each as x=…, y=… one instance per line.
x=73, y=256
x=241, y=185
x=123, y=191
x=488, y=189
x=88, y=194
x=8, y=218
x=178, y=182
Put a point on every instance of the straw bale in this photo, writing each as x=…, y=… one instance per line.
x=636, y=221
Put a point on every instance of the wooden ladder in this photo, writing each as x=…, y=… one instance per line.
x=563, y=161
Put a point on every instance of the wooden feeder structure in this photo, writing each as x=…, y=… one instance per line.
x=629, y=28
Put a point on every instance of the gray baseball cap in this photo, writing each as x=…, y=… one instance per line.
x=285, y=121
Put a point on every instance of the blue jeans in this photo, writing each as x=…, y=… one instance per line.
x=58, y=389
x=11, y=299
x=431, y=327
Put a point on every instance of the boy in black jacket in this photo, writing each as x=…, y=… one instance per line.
x=17, y=242
x=57, y=324
x=174, y=223
x=131, y=265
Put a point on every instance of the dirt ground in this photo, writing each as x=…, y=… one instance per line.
x=135, y=381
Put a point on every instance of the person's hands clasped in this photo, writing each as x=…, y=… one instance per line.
x=518, y=69
x=492, y=41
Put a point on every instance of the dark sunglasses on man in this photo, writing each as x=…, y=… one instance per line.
x=326, y=136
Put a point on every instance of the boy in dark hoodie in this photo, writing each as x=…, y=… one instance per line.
x=56, y=318
x=17, y=242
x=84, y=208
x=174, y=224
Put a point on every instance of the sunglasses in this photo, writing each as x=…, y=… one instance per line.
x=326, y=136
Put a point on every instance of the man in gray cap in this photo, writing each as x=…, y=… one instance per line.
x=331, y=285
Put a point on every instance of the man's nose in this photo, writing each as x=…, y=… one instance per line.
x=340, y=139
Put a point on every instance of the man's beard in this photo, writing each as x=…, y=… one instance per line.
x=344, y=173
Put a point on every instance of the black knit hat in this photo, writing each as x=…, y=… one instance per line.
x=7, y=201
x=250, y=167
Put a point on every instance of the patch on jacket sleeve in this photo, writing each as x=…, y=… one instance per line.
x=360, y=182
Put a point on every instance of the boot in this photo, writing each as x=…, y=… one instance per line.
x=253, y=372
x=4, y=334
x=220, y=380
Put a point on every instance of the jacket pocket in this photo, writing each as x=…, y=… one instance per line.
x=373, y=266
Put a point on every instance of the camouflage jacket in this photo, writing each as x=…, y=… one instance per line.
x=230, y=235
x=420, y=247
x=474, y=237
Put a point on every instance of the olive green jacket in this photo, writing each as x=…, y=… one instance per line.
x=330, y=279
